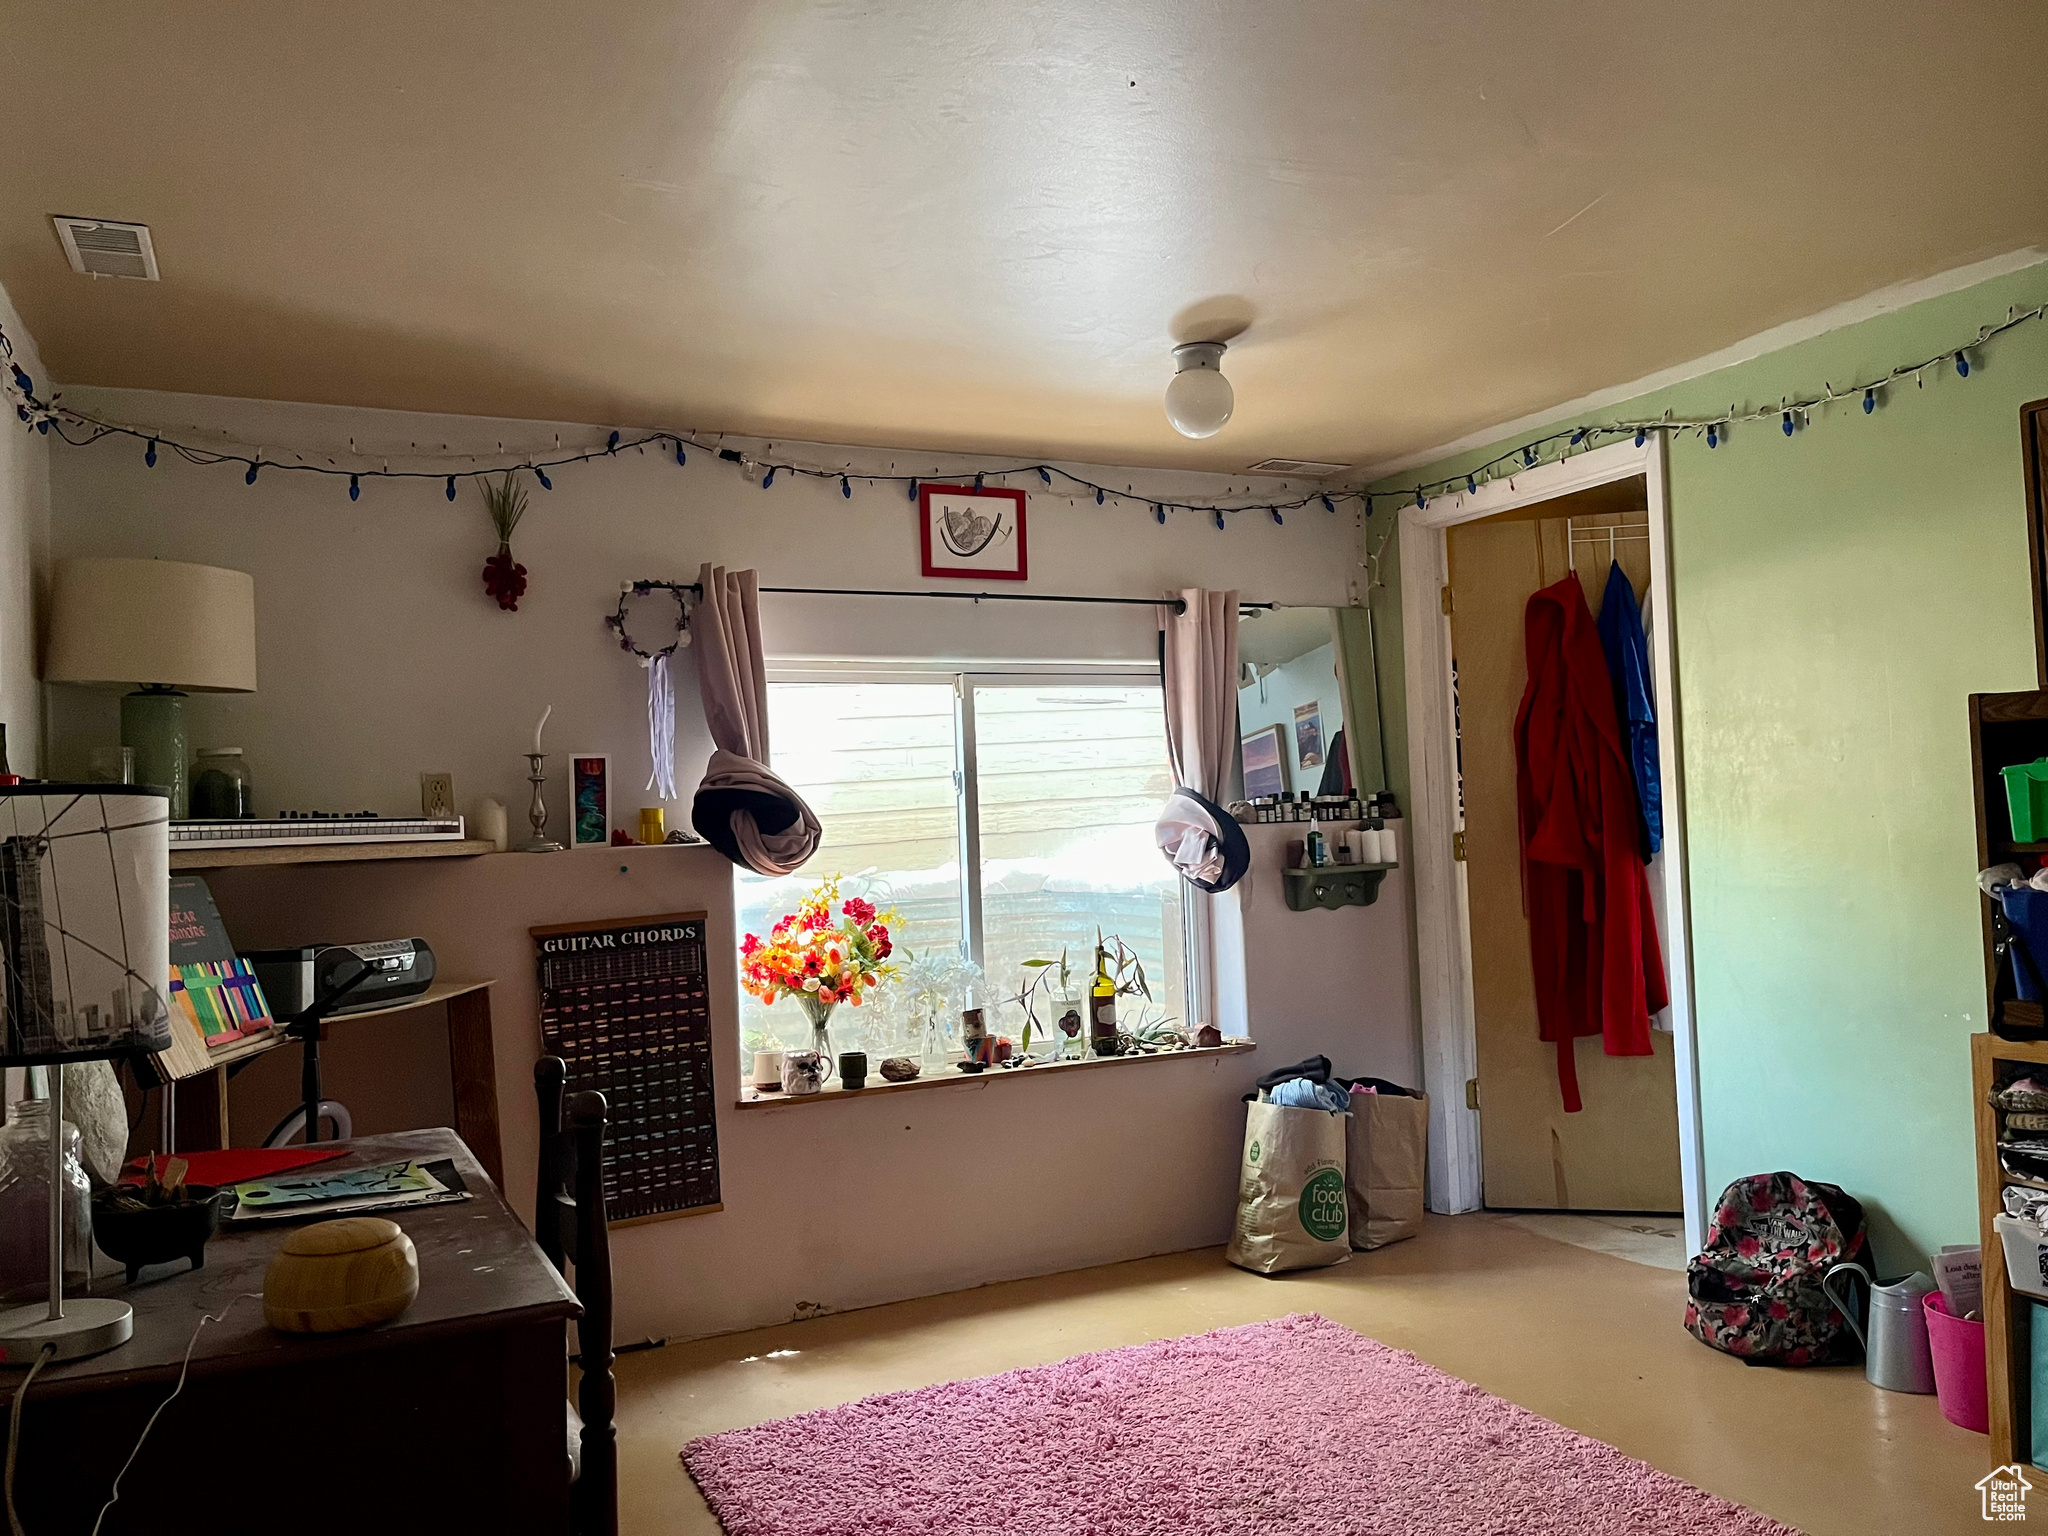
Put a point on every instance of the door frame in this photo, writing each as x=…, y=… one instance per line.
x=1442, y=921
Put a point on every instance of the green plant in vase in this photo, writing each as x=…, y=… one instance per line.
x=821, y=959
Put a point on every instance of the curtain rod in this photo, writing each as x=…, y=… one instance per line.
x=1175, y=603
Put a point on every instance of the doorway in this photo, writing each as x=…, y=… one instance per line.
x=1445, y=926
x=1620, y=1152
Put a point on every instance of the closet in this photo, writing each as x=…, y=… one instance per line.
x=1621, y=1151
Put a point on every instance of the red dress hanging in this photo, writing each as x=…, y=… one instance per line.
x=1592, y=933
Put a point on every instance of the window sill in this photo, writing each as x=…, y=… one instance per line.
x=950, y=1077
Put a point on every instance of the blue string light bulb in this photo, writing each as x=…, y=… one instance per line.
x=1043, y=476
x=680, y=457
x=1328, y=505
x=1962, y=365
x=1471, y=484
x=451, y=487
x=355, y=489
x=846, y=487
x=1159, y=516
x=1276, y=514
x=977, y=480
x=1641, y=437
x=1788, y=423
x=250, y=478
x=1421, y=501
x=611, y=444
x=1219, y=517
x=542, y=476
x=149, y=458
x=1098, y=497
x=1713, y=437
x=1529, y=458
x=1869, y=401
x=769, y=478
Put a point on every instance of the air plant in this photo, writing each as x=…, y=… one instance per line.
x=504, y=579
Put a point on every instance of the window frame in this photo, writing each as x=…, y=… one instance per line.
x=1196, y=920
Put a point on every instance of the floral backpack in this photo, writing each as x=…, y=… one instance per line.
x=1754, y=1290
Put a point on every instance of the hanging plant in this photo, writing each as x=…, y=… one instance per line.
x=506, y=502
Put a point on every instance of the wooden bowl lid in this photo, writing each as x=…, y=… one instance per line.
x=346, y=1234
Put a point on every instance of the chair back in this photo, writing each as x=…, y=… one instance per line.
x=569, y=1224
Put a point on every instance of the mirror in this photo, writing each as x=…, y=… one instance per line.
x=1308, y=702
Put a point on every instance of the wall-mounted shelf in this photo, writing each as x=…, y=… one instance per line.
x=327, y=853
x=1334, y=885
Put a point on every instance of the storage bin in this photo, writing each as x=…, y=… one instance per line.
x=2026, y=797
x=2026, y=1255
x=2037, y=1378
x=1957, y=1345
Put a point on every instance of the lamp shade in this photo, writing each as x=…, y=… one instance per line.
x=152, y=621
x=84, y=921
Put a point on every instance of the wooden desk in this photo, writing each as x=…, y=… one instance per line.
x=450, y=1418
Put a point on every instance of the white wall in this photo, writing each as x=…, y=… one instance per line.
x=24, y=550
x=379, y=655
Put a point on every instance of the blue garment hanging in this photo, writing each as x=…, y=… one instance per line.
x=1635, y=701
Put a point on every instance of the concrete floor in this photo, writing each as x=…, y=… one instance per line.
x=1585, y=1338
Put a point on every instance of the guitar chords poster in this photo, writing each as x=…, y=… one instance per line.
x=625, y=1004
x=965, y=532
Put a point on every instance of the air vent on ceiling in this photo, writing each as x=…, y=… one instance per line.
x=105, y=248
x=1309, y=469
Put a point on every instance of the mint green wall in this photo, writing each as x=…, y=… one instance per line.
x=1838, y=596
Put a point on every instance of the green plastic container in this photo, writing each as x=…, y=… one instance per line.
x=2026, y=796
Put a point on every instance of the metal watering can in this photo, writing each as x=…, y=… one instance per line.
x=1895, y=1352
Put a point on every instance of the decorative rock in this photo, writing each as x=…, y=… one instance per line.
x=1208, y=1035
x=899, y=1069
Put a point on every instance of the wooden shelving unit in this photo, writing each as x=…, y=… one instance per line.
x=325, y=853
x=2008, y=1320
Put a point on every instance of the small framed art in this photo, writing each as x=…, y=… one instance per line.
x=1265, y=763
x=1308, y=733
x=590, y=800
x=965, y=532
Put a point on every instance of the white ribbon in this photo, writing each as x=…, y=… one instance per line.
x=661, y=728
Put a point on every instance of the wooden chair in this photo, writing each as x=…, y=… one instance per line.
x=569, y=1223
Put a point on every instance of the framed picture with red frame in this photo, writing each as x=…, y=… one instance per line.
x=973, y=533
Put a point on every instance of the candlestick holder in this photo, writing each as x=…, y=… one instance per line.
x=537, y=812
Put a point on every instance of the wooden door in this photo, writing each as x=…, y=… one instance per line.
x=1620, y=1153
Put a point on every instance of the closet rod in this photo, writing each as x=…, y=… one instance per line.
x=697, y=589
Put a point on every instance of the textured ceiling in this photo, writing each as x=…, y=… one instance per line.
x=983, y=225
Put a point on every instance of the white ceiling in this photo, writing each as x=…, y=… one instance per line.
x=983, y=225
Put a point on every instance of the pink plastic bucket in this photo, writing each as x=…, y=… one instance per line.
x=1958, y=1348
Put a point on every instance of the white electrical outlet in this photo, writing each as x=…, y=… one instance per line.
x=437, y=794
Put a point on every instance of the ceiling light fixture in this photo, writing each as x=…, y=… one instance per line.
x=1199, y=398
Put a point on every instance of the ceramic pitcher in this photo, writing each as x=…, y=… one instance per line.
x=1895, y=1352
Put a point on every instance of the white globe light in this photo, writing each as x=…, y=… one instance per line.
x=1199, y=398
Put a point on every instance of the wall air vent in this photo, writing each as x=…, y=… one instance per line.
x=1306, y=469
x=104, y=248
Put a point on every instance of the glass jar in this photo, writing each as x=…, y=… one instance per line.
x=221, y=790
x=25, y=1205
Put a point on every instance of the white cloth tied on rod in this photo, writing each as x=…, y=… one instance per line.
x=661, y=726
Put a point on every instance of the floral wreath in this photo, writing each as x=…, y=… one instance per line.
x=616, y=621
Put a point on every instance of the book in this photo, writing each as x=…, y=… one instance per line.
x=1959, y=1271
x=320, y=1193
x=212, y=988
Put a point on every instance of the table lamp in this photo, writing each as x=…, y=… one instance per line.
x=85, y=964
x=162, y=624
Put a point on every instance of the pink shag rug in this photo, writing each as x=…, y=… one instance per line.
x=1295, y=1426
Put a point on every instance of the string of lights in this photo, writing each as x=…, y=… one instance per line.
x=81, y=429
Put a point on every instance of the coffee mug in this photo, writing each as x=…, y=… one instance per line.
x=767, y=1071
x=853, y=1069
x=803, y=1072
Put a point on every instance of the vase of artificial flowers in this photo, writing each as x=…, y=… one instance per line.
x=821, y=959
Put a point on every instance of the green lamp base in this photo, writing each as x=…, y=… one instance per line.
x=153, y=723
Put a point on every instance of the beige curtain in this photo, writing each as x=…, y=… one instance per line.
x=1200, y=663
x=742, y=808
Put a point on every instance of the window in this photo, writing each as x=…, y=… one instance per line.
x=1043, y=790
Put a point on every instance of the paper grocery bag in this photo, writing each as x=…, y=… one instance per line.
x=1291, y=1203
x=1386, y=1150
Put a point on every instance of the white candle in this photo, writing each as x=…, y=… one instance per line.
x=537, y=729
